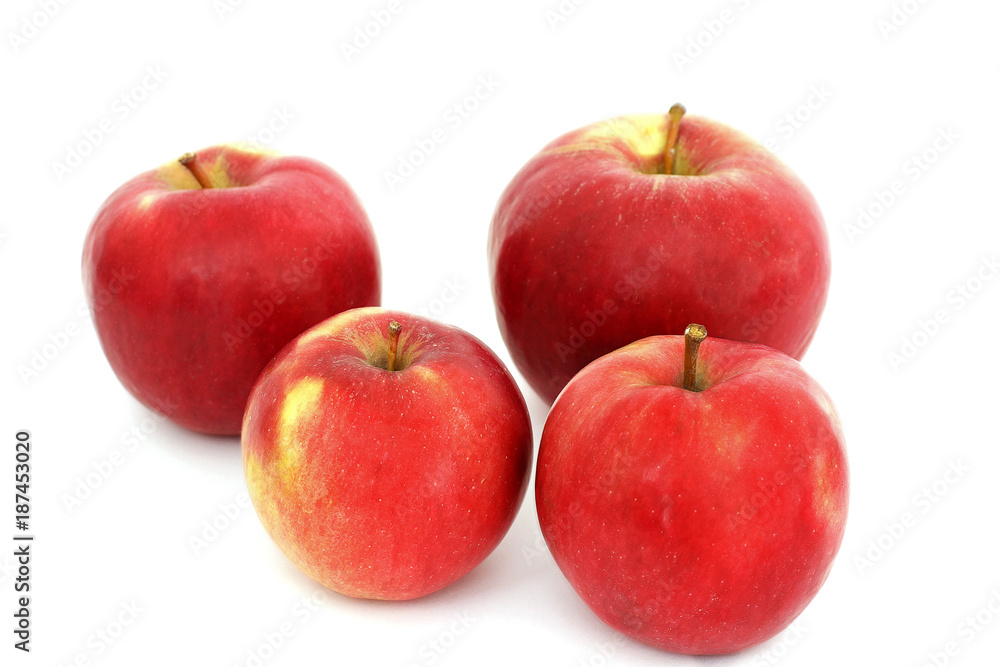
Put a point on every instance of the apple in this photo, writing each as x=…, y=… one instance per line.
x=386, y=454
x=598, y=240
x=197, y=273
x=694, y=500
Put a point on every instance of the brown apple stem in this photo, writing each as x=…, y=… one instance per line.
x=394, y=329
x=693, y=337
x=190, y=161
x=676, y=113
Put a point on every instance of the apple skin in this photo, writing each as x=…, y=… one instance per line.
x=386, y=484
x=193, y=290
x=699, y=522
x=592, y=246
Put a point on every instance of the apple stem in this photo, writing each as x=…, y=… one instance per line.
x=676, y=113
x=693, y=337
x=394, y=329
x=190, y=161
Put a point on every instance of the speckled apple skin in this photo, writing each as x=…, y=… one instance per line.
x=593, y=247
x=193, y=290
x=696, y=522
x=379, y=484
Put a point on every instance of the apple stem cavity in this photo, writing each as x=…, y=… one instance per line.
x=670, y=153
x=394, y=329
x=190, y=162
x=693, y=337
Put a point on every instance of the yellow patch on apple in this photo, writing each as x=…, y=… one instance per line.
x=331, y=327
x=297, y=414
x=645, y=133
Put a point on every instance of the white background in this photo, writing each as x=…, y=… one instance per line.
x=879, y=98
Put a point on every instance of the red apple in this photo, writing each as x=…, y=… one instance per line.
x=386, y=454
x=597, y=242
x=197, y=273
x=698, y=511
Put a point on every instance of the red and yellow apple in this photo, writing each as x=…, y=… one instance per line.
x=197, y=273
x=694, y=499
x=598, y=240
x=386, y=454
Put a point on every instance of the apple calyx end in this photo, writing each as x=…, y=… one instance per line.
x=676, y=112
x=190, y=162
x=694, y=335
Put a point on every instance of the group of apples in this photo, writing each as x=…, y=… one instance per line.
x=692, y=489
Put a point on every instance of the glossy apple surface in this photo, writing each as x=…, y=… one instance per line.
x=379, y=483
x=197, y=275
x=699, y=522
x=593, y=245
